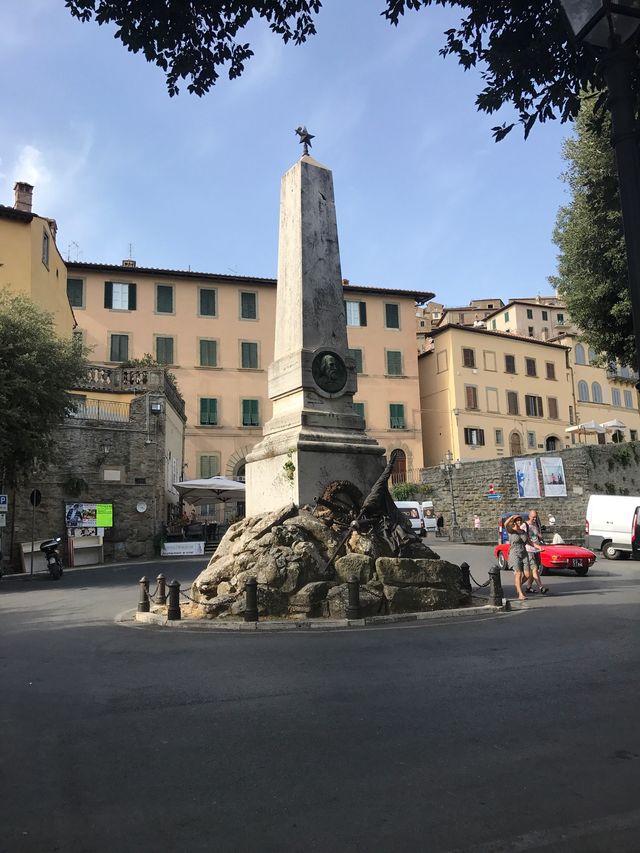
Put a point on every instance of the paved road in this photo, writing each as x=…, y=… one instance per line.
x=514, y=733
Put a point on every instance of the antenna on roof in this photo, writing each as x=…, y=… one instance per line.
x=77, y=250
x=130, y=251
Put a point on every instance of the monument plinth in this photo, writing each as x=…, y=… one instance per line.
x=314, y=436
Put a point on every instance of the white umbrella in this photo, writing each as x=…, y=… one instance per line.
x=613, y=425
x=587, y=428
x=210, y=490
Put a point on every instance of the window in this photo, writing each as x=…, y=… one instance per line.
x=579, y=351
x=615, y=397
x=45, y=248
x=356, y=355
x=493, y=325
x=596, y=392
x=249, y=354
x=592, y=356
x=551, y=370
x=164, y=298
x=394, y=363
x=208, y=353
x=533, y=406
x=396, y=415
x=489, y=360
x=473, y=436
x=207, y=304
x=529, y=314
x=509, y=364
x=531, y=440
x=499, y=437
x=461, y=319
x=506, y=316
x=545, y=315
x=75, y=292
x=392, y=315
x=492, y=400
x=248, y=305
x=210, y=465
x=633, y=434
x=628, y=400
x=250, y=413
x=471, y=396
x=571, y=416
x=358, y=408
x=119, y=348
x=530, y=331
x=552, y=404
x=208, y=411
x=441, y=361
x=468, y=357
x=119, y=296
x=530, y=366
x=583, y=391
x=512, y=403
x=356, y=313
x=560, y=318
x=164, y=350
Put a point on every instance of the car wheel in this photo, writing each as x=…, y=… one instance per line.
x=581, y=572
x=610, y=552
x=502, y=563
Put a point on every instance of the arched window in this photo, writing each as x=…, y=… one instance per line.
x=515, y=444
x=579, y=354
x=596, y=392
x=399, y=472
x=592, y=356
x=583, y=391
x=552, y=443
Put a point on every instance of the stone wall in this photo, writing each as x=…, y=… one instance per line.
x=589, y=469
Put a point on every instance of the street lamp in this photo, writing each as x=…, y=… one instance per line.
x=447, y=465
x=612, y=27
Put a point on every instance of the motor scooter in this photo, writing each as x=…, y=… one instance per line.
x=54, y=563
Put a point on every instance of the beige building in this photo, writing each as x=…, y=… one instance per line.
x=216, y=334
x=30, y=262
x=542, y=317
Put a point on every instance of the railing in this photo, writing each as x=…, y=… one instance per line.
x=172, y=395
x=413, y=475
x=622, y=374
x=397, y=423
x=134, y=380
x=108, y=411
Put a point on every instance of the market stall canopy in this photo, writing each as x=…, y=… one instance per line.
x=210, y=490
x=613, y=425
x=587, y=428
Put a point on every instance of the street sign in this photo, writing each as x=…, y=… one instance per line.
x=3, y=520
x=494, y=496
x=35, y=497
x=4, y=503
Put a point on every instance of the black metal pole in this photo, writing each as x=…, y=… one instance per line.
x=495, y=587
x=173, y=610
x=161, y=594
x=353, y=607
x=616, y=67
x=251, y=604
x=143, y=601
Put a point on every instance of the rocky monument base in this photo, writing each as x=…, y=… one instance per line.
x=290, y=551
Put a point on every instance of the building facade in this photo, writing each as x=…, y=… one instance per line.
x=215, y=333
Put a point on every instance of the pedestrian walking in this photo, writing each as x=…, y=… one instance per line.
x=518, y=558
x=439, y=525
x=533, y=548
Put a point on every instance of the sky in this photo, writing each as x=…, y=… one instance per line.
x=425, y=199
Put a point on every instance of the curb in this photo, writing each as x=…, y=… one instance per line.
x=159, y=620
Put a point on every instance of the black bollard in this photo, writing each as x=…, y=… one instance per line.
x=495, y=587
x=173, y=610
x=143, y=601
x=466, y=579
x=161, y=594
x=353, y=607
x=251, y=604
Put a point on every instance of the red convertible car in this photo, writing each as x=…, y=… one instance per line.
x=554, y=557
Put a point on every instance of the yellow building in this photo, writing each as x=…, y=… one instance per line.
x=488, y=394
x=216, y=334
x=30, y=262
x=544, y=317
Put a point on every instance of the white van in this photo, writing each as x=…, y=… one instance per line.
x=429, y=513
x=609, y=524
x=413, y=511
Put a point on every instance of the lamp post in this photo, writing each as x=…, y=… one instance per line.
x=447, y=465
x=612, y=27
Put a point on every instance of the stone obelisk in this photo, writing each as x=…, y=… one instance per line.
x=314, y=436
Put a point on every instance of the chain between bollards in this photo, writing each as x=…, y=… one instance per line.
x=173, y=608
x=353, y=606
x=143, y=601
x=251, y=603
x=495, y=587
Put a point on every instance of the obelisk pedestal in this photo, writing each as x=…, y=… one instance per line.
x=314, y=436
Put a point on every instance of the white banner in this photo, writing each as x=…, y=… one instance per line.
x=181, y=549
x=527, y=477
x=553, y=479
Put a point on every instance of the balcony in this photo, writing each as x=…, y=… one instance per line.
x=132, y=380
x=621, y=374
x=105, y=411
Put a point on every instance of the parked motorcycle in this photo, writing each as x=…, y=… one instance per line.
x=54, y=562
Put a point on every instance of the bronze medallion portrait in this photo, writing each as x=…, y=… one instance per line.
x=329, y=372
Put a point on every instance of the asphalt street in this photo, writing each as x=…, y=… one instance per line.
x=516, y=732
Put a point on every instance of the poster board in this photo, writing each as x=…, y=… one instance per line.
x=527, y=477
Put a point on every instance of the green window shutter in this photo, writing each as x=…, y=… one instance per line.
x=363, y=313
x=208, y=411
x=164, y=299
x=356, y=355
x=119, y=347
x=207, y=302
x=394, y=363
x=208, y=354
x=396, y=415
x=132, y=297
x=248, y=306
x=358, y=408
x=209, y=466
x=108, y=294
x=164, y=350
x=249, y=354
x=75, y=292
x=250, y=413
x=392, y=316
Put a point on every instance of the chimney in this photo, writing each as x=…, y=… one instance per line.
x=129, y=263
x=345, y=282
x=23, y=195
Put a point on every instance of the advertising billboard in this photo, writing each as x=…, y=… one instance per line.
x=88, y=515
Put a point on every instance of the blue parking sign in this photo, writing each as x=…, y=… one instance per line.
x=4, y=503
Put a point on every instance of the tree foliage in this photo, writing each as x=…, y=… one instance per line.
x=592, y=264
x=521, y=46
x=36, y=369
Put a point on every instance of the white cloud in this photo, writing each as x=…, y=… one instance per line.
x=30, y=167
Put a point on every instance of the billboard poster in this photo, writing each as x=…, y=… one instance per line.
x=553, y=480
x=527, y=478
x=88, y=515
